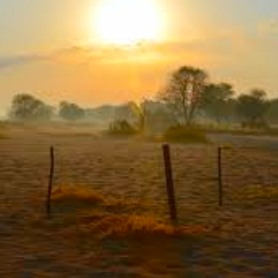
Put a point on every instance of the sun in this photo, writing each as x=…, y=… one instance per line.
x=125, y=22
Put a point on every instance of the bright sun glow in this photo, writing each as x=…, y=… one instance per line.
x=128, y=21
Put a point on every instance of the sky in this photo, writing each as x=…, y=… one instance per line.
x=50, y=48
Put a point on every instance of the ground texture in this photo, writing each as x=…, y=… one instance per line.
x=238, y=240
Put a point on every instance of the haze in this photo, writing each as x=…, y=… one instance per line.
x=49, y=48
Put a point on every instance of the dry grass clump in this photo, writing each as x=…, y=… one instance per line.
x=74, y=193
x=121, y=128
x=184, y=134
x=113, y=216
x=80, y=197
x=72, y=198
x=128, y=226
x=261, y=192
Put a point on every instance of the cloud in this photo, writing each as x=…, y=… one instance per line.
x=94, y=75
x=17, y=60
x=143, y=53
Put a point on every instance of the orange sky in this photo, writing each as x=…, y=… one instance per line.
x=57, y=56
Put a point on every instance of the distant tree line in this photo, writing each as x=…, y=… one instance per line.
x=187, y=98
x=26, y=107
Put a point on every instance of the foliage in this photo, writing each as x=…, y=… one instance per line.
x=217, y=101
x=272, y=113
x=183, y=93
x=125, y=112
x=133, y=112
x=121, y=128
x=147, y=115
x=185, y=134
x=252, y=108
x=140, y=110
x=25, y=107
x=71, y=111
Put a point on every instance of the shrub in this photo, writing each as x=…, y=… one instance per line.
x=185, y=134
x=121, y=128
x=259, y=125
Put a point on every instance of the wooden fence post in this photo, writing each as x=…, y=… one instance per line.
x=220, y=178
x=170, y=184
x=50, y=184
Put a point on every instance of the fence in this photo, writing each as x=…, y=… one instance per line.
x=244, y=177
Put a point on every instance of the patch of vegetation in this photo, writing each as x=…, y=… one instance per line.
x=112, y=225
x=114, y=217
x=72, y=198
x=261, y=192
x=121, y=128
x=75, y=193
x=185, y=134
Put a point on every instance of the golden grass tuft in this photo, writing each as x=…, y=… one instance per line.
x=76, y=193
x=135, y=225
x=75, y=198
x=113, y=216
x=261, y=192
x=67, y=194
x=71, y=198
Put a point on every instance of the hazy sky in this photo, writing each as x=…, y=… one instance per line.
x=49, y=47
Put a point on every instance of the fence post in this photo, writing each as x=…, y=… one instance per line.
x=50, y=184
x=170, y=184
x=220, y=178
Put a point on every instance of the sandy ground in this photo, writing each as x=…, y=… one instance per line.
x=243, y=241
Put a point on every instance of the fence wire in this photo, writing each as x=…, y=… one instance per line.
x=134, y=171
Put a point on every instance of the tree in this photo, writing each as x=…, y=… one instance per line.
x=272, y=113
x=29, y=108
x=183, y=93
x=252, y=107
x=140, y=111
x=125, y=112
x=71, y=111
x=217, y=101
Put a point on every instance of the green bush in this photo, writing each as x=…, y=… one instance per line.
x=121, y=128
x=184, y=134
